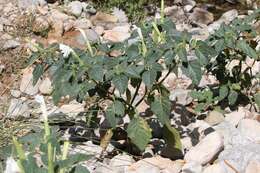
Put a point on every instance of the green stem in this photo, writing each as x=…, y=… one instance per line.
x=162, y=11
x=65, y=152
x=20, y=153
x=49, y=147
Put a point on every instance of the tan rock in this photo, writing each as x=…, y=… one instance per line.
x=253, y=167
x=115, y=36
x=26, y=85
x=201, y=16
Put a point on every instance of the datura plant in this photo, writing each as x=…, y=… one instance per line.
x=154, y=51
x=237, y=53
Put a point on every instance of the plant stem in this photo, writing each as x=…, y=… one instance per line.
x=136, y=92
x=65, y=152
x=20, y=153
x=140, y=101
x=162, y=11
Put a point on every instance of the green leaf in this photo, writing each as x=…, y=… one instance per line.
x=204, y=52
x=131, y=71
x=139, y=132
x=96, y=72
x=116, y=108
x=33, y=58
x=121, y=82
x=223, y=92
x=181, y=52
x=257, y=99
x=244, y=47
x=193, y=70
x=37, y=73
x=232, y=97
x=161, y=107
x=80, y=169
x=172, y=137
x=149, y=78
x=73, y=159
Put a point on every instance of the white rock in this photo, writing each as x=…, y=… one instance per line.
x=232, y=136
x=188, y=8
x=45, y=86
x=83, y=23
x=75, y=8
x=215, y=168
x=15, y=93
x=1, y=27
x=11, y=44
x=214, y=117
x=155, y=164
x=99, y=30
x=253, y=167
x=26, y=85
x=121, y=162
x=206, y=149
x=239, y=156
x=90, y=34
x=24, y=4
x=236, y=116
x=18, y=107
x=229, y=16
x=72, y=108
x=250, y=129
x=192, y=167
x=120, y=14
x=181, y=96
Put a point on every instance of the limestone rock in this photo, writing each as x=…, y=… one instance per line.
x=192, y=167
x=45, y=86
x=206, y=149
x=18, y=107
x=26, y=85
x=214, y=117
x=250, y=129
x=201, y=16
x=75, y=8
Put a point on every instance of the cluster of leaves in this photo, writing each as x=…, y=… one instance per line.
x=36, y=157
x=134, y=9
x=234, y=44
x=160, y=47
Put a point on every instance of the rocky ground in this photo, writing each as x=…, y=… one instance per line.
x=216, y=143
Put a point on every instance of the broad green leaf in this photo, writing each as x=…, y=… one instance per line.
x=232, y=97
x=161, y=107
x=223, y=92
x=204, y=52
x=37, y=73
x=73, y=159
x=33, y=58
x=121, y=82
x=244, y=47
x=181, y=52
x=131, y=71
x=139, y=132
x=115, y=109
x=96, y=72
x=80, y=169
x=149, y=78
x=193, y=70
x=172, y=137
x=257, y=99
